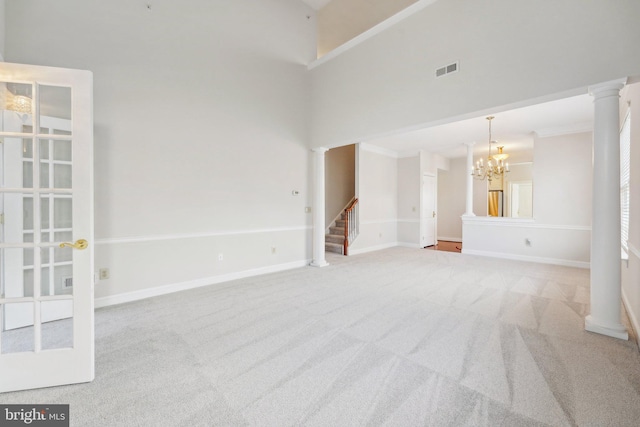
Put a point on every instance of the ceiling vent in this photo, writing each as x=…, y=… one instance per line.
x=448, y=69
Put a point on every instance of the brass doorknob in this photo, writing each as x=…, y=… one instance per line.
x=79, y=244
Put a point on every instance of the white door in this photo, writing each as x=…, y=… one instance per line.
x=428, y=211
x=521, y=199
x=46, y=227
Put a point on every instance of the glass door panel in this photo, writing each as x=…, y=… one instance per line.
x=16, y=340
x=57, y=333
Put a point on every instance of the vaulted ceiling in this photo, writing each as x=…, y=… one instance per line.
x=341, y=20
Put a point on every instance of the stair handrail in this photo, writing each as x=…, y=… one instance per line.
x=351, y=224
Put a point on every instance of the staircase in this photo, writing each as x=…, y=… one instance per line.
x=334, y=241
x=344, y=230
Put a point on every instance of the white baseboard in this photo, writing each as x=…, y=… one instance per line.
x=373, y=248
x=191, y=284
x=632, y=315
x=450, y=239
x=542, y=260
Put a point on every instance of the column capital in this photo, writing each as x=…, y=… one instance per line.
x=469, y=144
x=320, y=149
x=606, y=88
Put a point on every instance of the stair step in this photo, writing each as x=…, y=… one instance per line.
x=336, y=230
x=333, y=247
x=340, y=223
x=334, y=238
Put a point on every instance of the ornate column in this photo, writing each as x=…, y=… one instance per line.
x=605, y=224
x=318, y=208
x=469, y=210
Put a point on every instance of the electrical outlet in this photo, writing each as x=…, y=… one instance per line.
x=103, y=273
x=220, y=257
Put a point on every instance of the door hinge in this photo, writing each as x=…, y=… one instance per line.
x=1, y=218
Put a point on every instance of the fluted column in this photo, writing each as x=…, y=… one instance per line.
x=605, y=226
x=469, y=206
x=318, y=208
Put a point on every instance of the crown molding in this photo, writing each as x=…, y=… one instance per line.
x=565, y=130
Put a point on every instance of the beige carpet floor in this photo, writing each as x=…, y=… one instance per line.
x=400, y=337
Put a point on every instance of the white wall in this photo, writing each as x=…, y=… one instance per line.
x=2, y=28
x=409, y=178
x=560, y=230
x=201, y=131
x=562, y=179
x=340, y=180
x=452, y=186
x=631, y=270
x=510, y=54
x=378, y=199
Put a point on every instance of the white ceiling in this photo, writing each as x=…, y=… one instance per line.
x=317, y=4
x=513, y=129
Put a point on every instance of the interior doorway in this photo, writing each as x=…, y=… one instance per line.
x=428, y=211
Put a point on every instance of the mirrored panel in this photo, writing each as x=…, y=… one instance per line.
x=55, y=104
x=511, y=195
x=518, y=191
x=57, y=324
x=16, y=331
x=16, y=272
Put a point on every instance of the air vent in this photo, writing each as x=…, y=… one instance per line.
x=447, y=69
x=67, y=282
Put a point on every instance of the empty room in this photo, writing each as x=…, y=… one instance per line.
x=319, y=212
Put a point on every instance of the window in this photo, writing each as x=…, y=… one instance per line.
x=625, y=154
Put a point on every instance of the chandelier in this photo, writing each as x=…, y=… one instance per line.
x=22, y=104
x=496, y=165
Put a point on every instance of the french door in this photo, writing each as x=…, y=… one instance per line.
x=46, y=227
